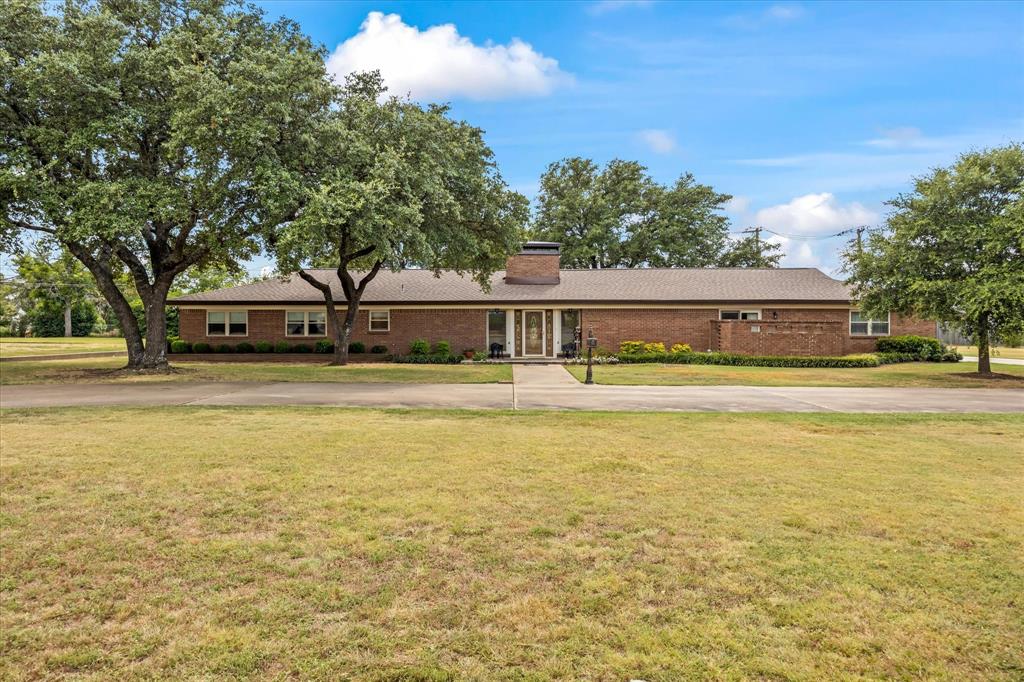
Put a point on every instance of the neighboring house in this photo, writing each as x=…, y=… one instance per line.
x=533, y=309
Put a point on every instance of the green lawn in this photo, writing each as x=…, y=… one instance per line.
x=997, y=352
x=920, y=374
x=11, y=347
x=104, y=370
x=306, y=543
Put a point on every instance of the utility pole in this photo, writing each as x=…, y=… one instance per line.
x=860, y=243
x=756, y=231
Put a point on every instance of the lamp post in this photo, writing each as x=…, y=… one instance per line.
x=591, y=345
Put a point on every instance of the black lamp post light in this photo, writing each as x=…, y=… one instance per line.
x=591, y=345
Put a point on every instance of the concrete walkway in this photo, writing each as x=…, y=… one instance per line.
x=995, y=360
x=525, y=395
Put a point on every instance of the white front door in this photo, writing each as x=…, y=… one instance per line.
x=535, y=333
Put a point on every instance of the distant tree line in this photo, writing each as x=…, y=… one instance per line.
x=619, y=217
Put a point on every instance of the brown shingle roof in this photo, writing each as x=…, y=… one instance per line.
x=654, y=285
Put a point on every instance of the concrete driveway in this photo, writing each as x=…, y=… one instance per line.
x=541, y=388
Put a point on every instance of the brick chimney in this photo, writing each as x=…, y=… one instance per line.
x=537, y=263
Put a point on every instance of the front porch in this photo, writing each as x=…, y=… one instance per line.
x=532, y=334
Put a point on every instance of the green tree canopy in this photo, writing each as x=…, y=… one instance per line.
x=396, y=184
x=751, y=252
x=153, y=136
x=56, y=292
x=953, y=249
x=619, y=217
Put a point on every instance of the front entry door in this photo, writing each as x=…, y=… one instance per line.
x=534, y=333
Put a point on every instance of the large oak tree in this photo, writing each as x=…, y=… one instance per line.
x=152, y=136
x=396, y=184
x=953, y=249
x=618, y=216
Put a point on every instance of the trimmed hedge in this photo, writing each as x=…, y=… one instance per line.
x=427, y=359
x=325, y=346
x=908, y=343
x=225, y=348
x=245, y=347
x=419, y=347
x=201, y=347
x=264, y=347
x=282, y=347
x=443, y=349
x=357, y=347
x=379, y=349
x=737, y=360
x=302, y=348
x=180, y=346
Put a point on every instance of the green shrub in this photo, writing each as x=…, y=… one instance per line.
x=379, y=350
x=442, y=349
x=325, y=346
x=302, y=348
x=225, y=348
x=282, y=347
x=681, y=348
x=479, y=356
x=922, y=346
x=201, y=347
x=1012, y=340
x=895, y=358
x=654, y=347
x=632, y=347
x=427, y=359
x=180, y=346
x=245, y=347
x=357, y=347
x=264, y=347
x=737, y=360
x=419, y=347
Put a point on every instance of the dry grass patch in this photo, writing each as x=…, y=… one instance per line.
x=14, y=346
x=106, y=370
x=911, y=374
x=426, y=545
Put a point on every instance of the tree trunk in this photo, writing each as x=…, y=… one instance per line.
x=101, y=272
x=154, y=355
x=67, y=320
x=351, y=310
x=984, y=364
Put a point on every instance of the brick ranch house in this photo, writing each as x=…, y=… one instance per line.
x=534, y=308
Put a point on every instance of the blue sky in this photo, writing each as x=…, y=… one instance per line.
x=810, y=114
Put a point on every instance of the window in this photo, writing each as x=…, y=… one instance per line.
x=861, y=325
x=317, y=324
x=739, y=314
x=215, y=324
x=299, y=323
x=380, y=320
x=570, y=326
x=496, y=320
x=238, y=323
x=296, y=325
x=235, y=323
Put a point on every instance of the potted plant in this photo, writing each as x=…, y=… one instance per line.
x=468, y=353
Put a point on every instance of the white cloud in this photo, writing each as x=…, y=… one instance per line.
x=438, y=63
x=893, y=138
x=605, y=6
x=738, y=205
x=659, y=141
x=814, y=214
x=785, y=12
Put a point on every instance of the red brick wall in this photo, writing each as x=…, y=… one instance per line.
x=778, y=338
x=462, y=328
x=612, y=326
x=466, y=328
x=532, y=267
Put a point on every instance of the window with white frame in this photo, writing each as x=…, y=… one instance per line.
x=862, y=325
x=222, y=323
x=380, y=320
x=305, y=323
x=739, y=314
